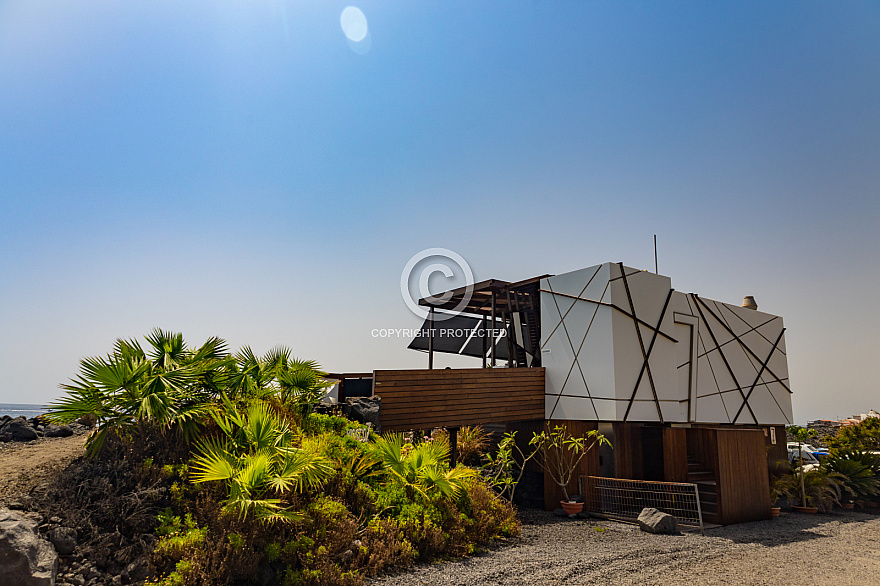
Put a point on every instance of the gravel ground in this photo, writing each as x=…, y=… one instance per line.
x=793, y=549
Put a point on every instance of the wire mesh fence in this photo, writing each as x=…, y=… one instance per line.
x=623, y=500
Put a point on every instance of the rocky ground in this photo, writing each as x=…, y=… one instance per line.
x=29, y=467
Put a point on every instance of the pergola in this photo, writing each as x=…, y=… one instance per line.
x=512, y=308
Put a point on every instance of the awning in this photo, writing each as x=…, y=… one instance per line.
x=464, y=335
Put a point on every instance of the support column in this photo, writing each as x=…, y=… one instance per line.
x=483, y=340
x=453, y=446
x=431, y=338
x=492, y=349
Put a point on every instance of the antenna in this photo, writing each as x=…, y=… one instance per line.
x=656, y=272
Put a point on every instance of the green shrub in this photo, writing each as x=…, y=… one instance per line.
x=333, y=447
x=177, y=537
x=863, y=436
x=318, y=423
x=264, y=457
x=492, y=515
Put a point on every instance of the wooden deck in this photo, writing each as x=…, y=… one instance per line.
x=425, y=399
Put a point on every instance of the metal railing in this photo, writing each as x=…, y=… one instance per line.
x=622, y=500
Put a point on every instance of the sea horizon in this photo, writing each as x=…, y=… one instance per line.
x=27, y=409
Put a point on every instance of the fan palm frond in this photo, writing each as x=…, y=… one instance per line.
x=168, y=348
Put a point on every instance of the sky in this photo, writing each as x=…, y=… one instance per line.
x=247, y=170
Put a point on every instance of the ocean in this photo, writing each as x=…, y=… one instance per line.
x=16, y=409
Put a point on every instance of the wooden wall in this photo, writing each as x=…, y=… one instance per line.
x=675, y=465
x=742, y=475
x=777, y=454
x=589, y=466
x=425, y=399
x=627, y=446
x=702, y=446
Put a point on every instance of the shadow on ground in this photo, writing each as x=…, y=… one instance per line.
x=789, y=527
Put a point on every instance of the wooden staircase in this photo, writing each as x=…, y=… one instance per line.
x=707, y=486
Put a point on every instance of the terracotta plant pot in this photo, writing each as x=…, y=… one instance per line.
x=800, y=509
x=571, y=508
x=774, y=511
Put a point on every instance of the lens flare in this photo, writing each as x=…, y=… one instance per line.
x=354, y=24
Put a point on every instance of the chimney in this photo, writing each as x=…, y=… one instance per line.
x=749, y=302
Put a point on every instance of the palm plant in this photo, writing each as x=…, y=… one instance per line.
x=859, y=471
x=822, y=489
x=171, y=386
x=782, y=486
x=421, y=470
x=802, y=435
x=256, y=459
x=298, y=384
x=249, y=377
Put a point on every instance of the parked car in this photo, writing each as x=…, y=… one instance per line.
x=818, y=453
x=810, y=461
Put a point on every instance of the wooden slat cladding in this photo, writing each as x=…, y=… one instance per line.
x=743, y=479
x=675, y=465
x=627, y=446
x=423, y=399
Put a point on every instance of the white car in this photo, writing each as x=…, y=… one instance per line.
x=810, y=461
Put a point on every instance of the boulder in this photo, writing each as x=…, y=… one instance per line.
x=25, y=558
x=64, y=539
x=364, y=410
x=53, y=430
x=654, y=521
x=19, y=430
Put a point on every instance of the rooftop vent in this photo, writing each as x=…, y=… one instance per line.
x=749, y=302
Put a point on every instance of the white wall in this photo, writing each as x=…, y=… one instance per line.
x=705, y=359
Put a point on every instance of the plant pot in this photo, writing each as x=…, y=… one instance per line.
x=571, y=508
x=800, y=509
x=774, y=511
x=847, y=505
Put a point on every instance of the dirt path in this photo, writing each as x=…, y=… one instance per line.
x=25, y=465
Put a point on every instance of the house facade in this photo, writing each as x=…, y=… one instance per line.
x=687, y=389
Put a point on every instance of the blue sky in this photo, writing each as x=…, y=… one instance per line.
x=242, y=169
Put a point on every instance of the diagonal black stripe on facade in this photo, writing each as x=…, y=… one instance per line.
x=756, y=329
x=723, y=357
x=763, y=367
x=575, y=357
x=552, y=292
x=744, y=345
x=645, y=355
